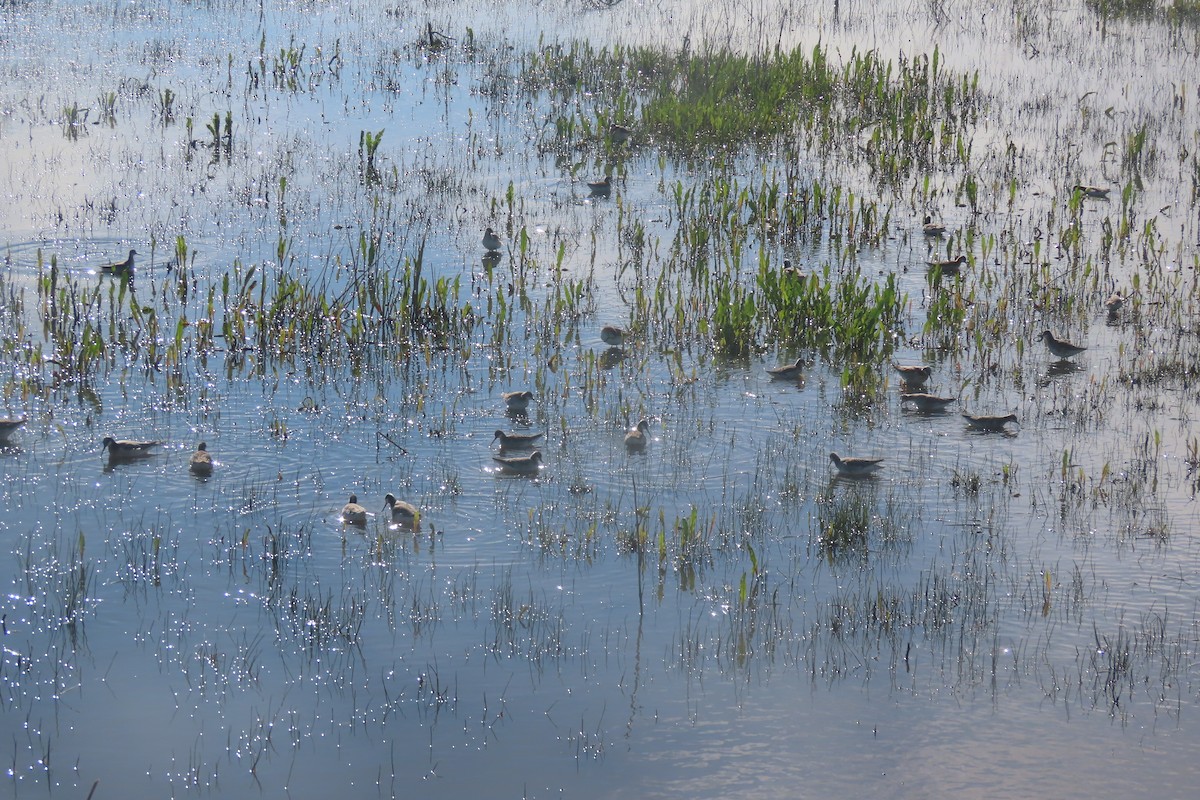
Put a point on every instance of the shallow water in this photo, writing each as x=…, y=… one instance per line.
x=1007, y=622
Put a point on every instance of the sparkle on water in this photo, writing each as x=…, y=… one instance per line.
x=719, y=615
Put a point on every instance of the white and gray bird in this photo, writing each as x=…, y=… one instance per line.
x=852, y=467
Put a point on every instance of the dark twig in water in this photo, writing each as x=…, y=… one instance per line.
x=391, y=441
x=436, y=40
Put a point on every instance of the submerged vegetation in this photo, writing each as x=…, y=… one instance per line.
x=314, y=299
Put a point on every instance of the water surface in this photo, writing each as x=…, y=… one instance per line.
x=1019, y=615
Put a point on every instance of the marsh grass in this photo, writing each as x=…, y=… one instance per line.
x=145, y=560
x=317, y=622
x=273, y=315
x=749, y=571
x=844, y=522
x=74, y=121
x=907, y=114
x=60, y=587
x=1174, y=12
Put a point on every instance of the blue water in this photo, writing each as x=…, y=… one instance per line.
x=169, y=635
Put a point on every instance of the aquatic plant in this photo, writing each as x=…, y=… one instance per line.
x=1176, y=12
x=342, y=300
x=844, y=522
x=909, y=115
x=74, y=121
x=106, y=103
x=165, y=106
x=368, y=144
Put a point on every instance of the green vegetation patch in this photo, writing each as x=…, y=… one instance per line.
x=905, y=114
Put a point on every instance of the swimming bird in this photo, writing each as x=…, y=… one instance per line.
x=927, y=403
x=491, y=241
x=931, y=228
x=913, y=376
x=353, y=513
x=988, y=422
x=949, y=267
x=787, y=372
x=855, y=467
x=619, y=134
x=1094, y=192
x=614, y=335
x=635, y=440
x=402, y=513
x=1114, y=303
x=517, y=401
x=516, y=441
x=520, y=465
x=1060, y=347
x=127, y=448
x=120, y=267
x=201, y=462
x=8, y=426
x=600, y=188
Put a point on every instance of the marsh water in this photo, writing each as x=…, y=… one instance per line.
x=307, y=185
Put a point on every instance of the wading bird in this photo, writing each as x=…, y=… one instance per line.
x=635, y=440
x=121, y=267
x=851, y=467
x=1060, y=347
x=927, y=403
x=127, y=448
x=913, y=376
x=517, y=401
x=787, y=372
x=491, y=241
x=520, y=465
x=988, y=422
x=353, y=513
x=201, y=462
x=516, y=441
x=402, y=513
